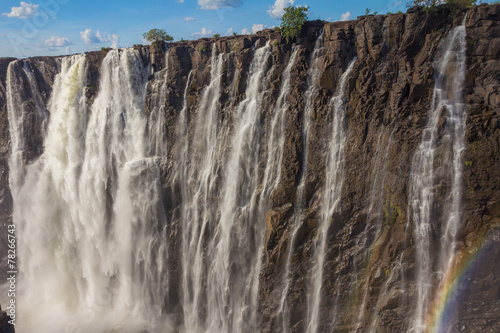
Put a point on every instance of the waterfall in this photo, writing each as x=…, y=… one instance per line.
x=102, y=230
x=141, y=207
x=19, y=107
x=276, y=138
x=221, y=244
x=238, y=237
x=16, y=114
x=437, y=168
x=197, y=193
x=42, y=204
x=182, y=124
x=312, y=81
x=91, y=233
x=157, y=122
x=371, y=235
x=116, y=220
x=275, y=143
x=331, y=196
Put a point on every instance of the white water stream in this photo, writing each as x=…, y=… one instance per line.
x=437, y=166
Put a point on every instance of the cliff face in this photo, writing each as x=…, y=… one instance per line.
x=371, y=262
x=6, y=198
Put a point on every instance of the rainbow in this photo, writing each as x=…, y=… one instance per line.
x=454, y=286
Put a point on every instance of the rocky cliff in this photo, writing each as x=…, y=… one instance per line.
x=370, y=273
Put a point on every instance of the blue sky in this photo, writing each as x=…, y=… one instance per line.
x=55, y=27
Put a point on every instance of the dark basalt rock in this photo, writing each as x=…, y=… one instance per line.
x=389, y=94
x=5, y=326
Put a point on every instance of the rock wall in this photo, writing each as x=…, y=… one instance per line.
x=389, y=94
x=6, y=199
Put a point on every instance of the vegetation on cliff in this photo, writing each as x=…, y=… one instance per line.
x=157, y=36
x=434, y=5
x=292, y=21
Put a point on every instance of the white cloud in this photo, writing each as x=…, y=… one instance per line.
x=218, y=4
x=89, y=37
x=105, y=37
x=203, y=33
x=258, y=27
x=188, y=19
x=328, y=19
x=180, y=1
x=345, y=16
x=276, y=11
x=255, y=29
x=26, y=10
x=56, y=41
x=229, y=31
x=68, y=50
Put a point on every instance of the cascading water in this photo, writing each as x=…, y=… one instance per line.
x=45, y=193
x=122, y=231
x=371, y=234
x=221, y=244
x=90, y=208
x=331, y=197
x=197, y=192
x=437, y=167
x=182, y=125
x=312, y=80
x=157, y=121
x=238, y=238
x=276, y=138
x=18, y=109
x=275, y=143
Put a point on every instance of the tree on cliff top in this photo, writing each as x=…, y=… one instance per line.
x=292, y=21
x=433, y=5
x=157, y=35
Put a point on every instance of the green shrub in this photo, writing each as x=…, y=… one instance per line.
x=292, y=21
x=204, y=49
x=433, y=5
x=425, y=5
x=216, y=35
x=459, y=5
x=106, y=49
